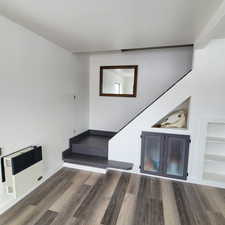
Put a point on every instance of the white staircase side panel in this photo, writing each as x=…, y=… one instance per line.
x=126, y=145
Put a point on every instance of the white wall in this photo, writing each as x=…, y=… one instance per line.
x=158, y=69
x=37, y=83
x=205, y=85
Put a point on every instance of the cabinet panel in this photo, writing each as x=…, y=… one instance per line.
x=176, y=157
x=152, y=146
x=165, y=154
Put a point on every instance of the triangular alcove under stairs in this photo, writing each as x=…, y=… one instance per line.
x=91, y=149
x=176, y=119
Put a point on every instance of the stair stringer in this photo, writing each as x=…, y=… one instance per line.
x=126, y=145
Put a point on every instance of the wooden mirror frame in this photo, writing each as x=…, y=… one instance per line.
x=102, y=68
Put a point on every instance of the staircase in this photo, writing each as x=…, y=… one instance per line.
x=91, y=149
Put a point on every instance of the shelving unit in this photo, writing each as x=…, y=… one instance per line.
x=214, y=158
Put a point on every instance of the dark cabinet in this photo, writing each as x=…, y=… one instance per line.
x=165, y=154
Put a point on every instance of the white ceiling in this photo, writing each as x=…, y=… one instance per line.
x=216, y=27
x=98, y=25
x=219, y=31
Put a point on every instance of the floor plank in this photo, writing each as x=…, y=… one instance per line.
x=88, y=204
x=127, y=210
x=113, y=210
x=128, y=206
x=198, y=209
x=25, y=216
x=73, y=197
x=170, y=210
x=47, y=218
x=68, y=211
x=79, y=179
x=110, y=183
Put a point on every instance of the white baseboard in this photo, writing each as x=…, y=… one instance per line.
x=86, y=168
x=10, y=201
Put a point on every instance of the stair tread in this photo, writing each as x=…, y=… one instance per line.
x=94, y=161
x=90, y=148
x=94, y=140
x=120, y=165
x=91, y=144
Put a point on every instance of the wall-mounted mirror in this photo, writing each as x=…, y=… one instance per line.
x=119, y=81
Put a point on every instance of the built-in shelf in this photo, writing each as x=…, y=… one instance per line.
x=214, y=158
x=177, y=118
x=216, y=130
x=214, y=166
x=215, y=148
x=216, y=177
x=216, y=139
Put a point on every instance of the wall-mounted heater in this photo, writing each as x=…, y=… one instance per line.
x=22, y=170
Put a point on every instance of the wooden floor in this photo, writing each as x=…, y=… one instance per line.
x=73, y=197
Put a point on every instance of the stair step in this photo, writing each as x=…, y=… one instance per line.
x=92, y=143
x=86, y=160
x=120, y=165
x=89, y=150
x=94, y=161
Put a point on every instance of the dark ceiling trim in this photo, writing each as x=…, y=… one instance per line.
x=157, y=47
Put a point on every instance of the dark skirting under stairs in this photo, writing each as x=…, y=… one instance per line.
x=91, y=149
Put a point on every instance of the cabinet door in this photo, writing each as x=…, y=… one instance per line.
x=151, y=157
x=176, y=156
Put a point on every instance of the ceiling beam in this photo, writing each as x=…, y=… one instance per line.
x=156, y=47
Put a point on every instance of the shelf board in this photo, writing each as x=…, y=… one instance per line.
x=216, y=139
x=214, y=176
x=215, y=157
x=217, y=123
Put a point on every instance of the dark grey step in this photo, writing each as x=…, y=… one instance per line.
x=90, y=148
x=94, y=161
x=92, y=143
x=85, y=160
x=107, y=134
x=120, y=165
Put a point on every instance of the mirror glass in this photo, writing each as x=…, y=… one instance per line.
x=118, y=81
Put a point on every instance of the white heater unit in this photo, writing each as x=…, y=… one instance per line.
x=23, y=170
